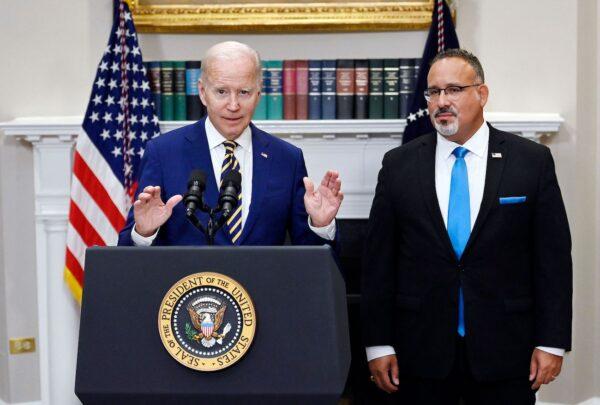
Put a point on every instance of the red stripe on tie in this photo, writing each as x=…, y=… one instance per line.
x=83, y=227
x=98, y=193
x=74, y=267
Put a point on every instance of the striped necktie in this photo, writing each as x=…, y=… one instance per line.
x=459, y=218
x=234, y=222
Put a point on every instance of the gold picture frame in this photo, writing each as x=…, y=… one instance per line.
x=206, y=16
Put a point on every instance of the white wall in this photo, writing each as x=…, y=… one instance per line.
x=596, y=132
x=586, y=177
x=544, y=58
x=538, y=57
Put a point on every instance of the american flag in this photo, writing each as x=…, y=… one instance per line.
x=119, y=120
x=442, y=36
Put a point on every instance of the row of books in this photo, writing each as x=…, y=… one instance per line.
x=175, y=90
x=299, y=89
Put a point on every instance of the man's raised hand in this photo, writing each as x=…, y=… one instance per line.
x=323, y=203
x=150, y=212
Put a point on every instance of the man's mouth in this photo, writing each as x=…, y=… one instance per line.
x=444, y=115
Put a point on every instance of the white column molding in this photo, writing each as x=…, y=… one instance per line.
x=353, y=147
x=58, y=313
x=62, y=317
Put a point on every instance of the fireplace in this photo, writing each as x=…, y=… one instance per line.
x=353, y=147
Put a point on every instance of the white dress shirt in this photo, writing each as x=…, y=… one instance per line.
x=476, y=161
x=243, y=153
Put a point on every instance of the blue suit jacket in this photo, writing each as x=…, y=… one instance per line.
x=277, y=189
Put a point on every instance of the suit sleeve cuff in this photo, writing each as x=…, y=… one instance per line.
x=374, y=352
x=326, y=232
x=139, y=240
x=552, y=350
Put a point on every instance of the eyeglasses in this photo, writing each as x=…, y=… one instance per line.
x=452, y=92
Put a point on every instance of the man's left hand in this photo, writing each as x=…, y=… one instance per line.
x=544, y=368
x=323, y=203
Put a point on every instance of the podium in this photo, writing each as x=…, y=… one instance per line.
x=300, y=351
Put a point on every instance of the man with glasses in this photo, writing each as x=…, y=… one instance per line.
x=276, y=197
x=467, y=279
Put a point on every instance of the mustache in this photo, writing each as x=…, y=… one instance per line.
x=445, y=110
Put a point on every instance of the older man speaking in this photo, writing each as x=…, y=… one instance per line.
x=276, y=196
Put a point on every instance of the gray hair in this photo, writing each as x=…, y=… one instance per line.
x=464, y=55
x=229, y=51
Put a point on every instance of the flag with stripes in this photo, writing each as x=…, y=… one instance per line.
x=442, y=36
x=119, y=120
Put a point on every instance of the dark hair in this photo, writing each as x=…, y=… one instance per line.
x=464, y=55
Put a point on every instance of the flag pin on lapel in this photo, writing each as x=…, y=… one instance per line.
x=263, y=154
x=496, y=155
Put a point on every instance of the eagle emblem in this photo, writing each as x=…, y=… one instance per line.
x=207, y=314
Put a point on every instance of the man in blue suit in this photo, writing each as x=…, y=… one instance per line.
x=276, y=195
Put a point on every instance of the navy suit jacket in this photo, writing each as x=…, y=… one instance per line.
x=277, y=204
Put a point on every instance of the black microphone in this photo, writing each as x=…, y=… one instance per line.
x=230, y=190
x=196, y=186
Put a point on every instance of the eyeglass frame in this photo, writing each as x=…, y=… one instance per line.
x=462, y=88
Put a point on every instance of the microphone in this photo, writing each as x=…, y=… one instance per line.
x=196, y=186
x=230, y=190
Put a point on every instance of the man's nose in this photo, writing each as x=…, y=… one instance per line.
x=233, y=102
x=442, y=100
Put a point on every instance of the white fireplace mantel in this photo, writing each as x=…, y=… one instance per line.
x=529, y=125
x=353, y=147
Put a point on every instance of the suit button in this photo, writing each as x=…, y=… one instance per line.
x=461, y=267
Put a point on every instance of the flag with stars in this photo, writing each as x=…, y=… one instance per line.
x=441, y=36
x=119, y=120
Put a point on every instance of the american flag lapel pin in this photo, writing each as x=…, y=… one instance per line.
x=263, y=154
x=496, y=155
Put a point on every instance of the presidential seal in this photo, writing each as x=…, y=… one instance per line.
x=207, y=321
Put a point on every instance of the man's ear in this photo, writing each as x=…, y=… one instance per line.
x=484, y=92
x=202, y=92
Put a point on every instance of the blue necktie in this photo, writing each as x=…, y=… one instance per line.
x=459, y=218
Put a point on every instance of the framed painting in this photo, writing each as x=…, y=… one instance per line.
x=280, y=15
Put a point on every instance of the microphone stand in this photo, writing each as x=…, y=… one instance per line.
x=194, y=199
x=213, y=225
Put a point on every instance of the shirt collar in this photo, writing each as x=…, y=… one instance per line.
x=215, y=138
x=477, y=144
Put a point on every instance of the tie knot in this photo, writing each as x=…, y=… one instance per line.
x=460, y=152
x=229, y=146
